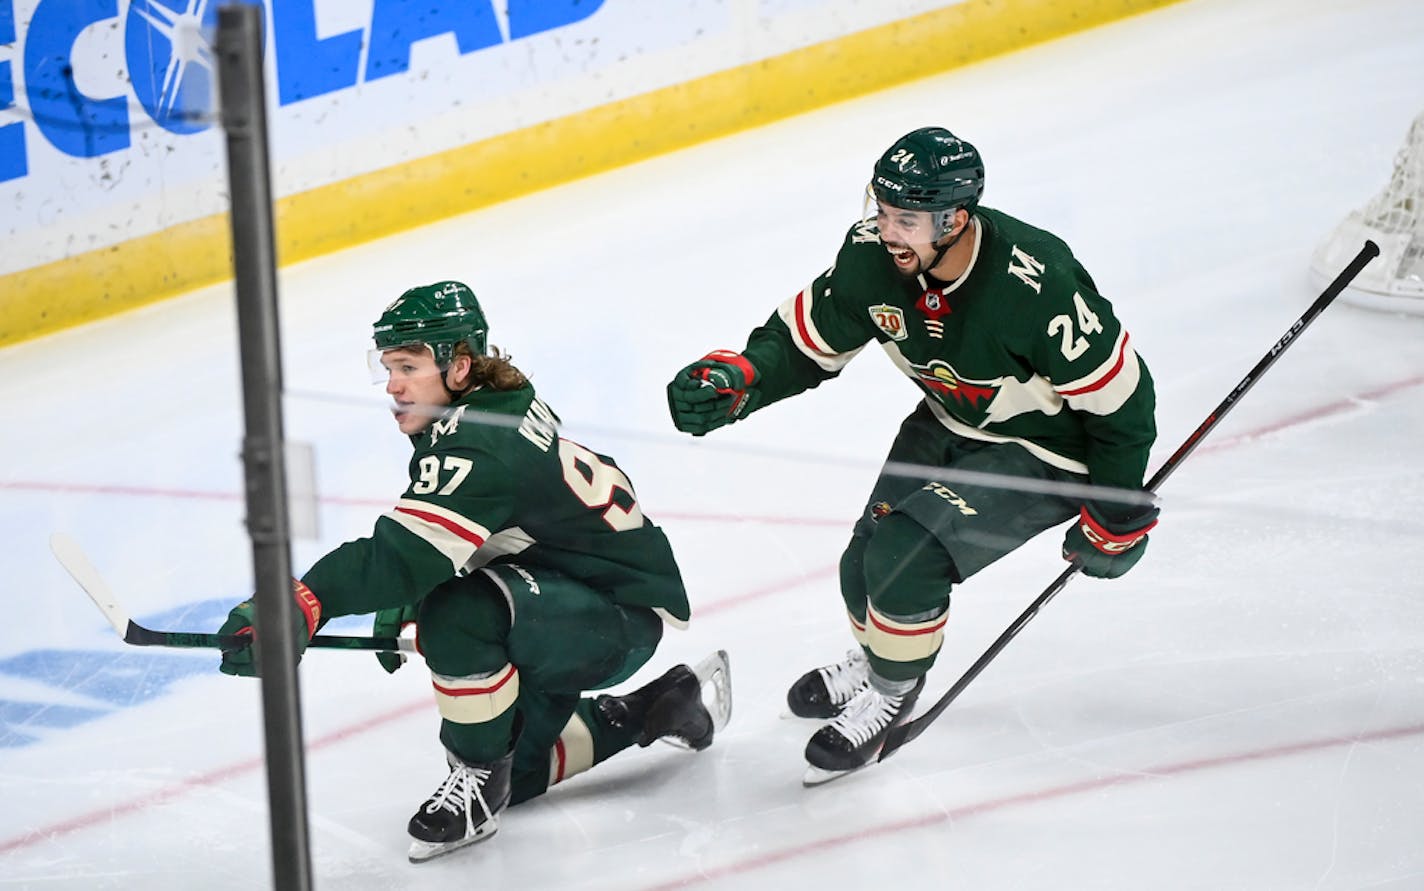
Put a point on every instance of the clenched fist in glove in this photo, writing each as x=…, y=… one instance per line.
x=1108, y=546
x=390, y=623
x=713, y=391
x=239, y=660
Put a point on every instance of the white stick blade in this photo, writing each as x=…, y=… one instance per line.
x=71, y=556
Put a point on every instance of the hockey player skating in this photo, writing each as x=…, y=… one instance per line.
x=1027, y=376
x=529, y=570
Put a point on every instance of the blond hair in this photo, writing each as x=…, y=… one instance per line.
x=492, y=371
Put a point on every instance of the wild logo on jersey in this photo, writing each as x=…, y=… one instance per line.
x=940, y=378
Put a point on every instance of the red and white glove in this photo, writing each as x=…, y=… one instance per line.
x=1107, y=548
x=712, y=392
x=239, y=660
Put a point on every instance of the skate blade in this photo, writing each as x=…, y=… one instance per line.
x=422, y=851
x=714, y=674
x=819, y=776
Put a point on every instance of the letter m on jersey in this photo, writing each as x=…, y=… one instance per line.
x=1026, y=269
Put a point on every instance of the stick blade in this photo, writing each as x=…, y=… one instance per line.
x=899, y=735
x=72, y=557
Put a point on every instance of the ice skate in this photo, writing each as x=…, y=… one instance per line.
x=685, y=707
x=822, y=692
x=464, y=810
x=854, y=738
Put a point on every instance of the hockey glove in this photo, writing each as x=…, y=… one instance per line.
x=1107, y=548
x=390, y=623
x=712, y=392
x=239, y=660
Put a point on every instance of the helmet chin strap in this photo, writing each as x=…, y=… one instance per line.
x=944, y=249
x=445, y=382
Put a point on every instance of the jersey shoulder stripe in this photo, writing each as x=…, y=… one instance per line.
x=454, y=536
x=1099, y=377
x=1106, y=388
x=796, y=312
x=797, y=315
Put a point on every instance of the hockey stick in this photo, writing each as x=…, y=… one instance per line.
x=73, y=559
x=903, y=733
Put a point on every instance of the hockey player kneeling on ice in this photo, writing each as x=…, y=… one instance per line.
x=1033, y=397
x=529, y=570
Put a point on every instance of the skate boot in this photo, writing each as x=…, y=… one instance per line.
x=464, y=810
x=854, y=737
x=684, y=707
x=823, y=692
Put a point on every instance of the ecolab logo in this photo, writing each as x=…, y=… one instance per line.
x=169, y=63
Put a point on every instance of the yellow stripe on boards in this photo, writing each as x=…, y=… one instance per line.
x=190, y=255
x=123, y=276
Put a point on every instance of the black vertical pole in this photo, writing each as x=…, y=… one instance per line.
x=243, y=99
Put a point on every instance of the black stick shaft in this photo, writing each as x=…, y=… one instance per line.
x=140, y=636
x=903, y=733
x=1342, y=281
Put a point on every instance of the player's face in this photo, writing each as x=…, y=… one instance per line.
x=415, y=383
x=908, y=235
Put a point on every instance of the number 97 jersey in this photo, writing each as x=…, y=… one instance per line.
x=492, y=481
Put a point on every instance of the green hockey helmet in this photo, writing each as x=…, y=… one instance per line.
x=437, y=316
x=929, y=169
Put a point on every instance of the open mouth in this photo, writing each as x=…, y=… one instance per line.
x=902, y=256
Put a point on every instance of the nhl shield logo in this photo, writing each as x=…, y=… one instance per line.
x=889, y=319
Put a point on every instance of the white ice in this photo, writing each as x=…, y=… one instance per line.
x=1244, y=710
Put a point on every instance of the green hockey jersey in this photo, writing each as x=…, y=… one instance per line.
x=492, y=481
x=1020, y=349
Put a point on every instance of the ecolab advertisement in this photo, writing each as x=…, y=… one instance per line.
x=166, y=54
x=107, y=125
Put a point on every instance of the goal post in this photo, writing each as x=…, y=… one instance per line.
x=1393, y=219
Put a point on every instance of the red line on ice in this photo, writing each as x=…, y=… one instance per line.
x=381, y=503
x=1334, y=408
x=1340, y=406
x=221, y=774
x=211, y=778
x=786, y=584
x=974, y=809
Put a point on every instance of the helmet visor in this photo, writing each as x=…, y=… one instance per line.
x=405, y=360
x=903, y=225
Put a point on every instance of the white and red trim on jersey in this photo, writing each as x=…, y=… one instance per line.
x=956, y=426
x=796, y=313
x=1104, y=390
x=455, y=536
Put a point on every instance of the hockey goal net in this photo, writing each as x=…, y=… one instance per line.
x=1393, y=219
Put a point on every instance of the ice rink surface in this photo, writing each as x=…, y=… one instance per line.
x=1245, y=710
